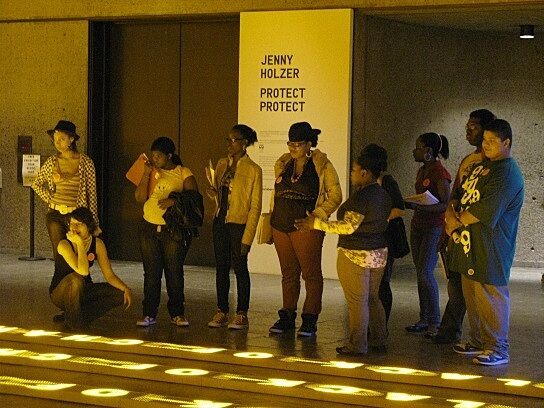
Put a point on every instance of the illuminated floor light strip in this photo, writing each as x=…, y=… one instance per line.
x=294, y=364
x=101, y=393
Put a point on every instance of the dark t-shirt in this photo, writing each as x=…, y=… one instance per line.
x=374, y=204
x=428, y=179
x=493, y=193
x=62, y=269
x=293, y=198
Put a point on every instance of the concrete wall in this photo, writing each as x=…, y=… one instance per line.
x=419, y=79
x=43, y=71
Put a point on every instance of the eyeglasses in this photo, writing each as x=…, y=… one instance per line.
x=296, y=145
x=233, y=139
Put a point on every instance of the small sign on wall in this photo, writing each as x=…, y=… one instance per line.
x=30, y=168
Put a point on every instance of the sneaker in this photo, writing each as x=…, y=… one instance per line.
x=467, y=349
x=308, y=328
x=490, y=358
x=285, y=323
x=179, y=321
x=219, y=319
x=146, y=321
x=240, y=321
x=431, y=332
x=417, y=328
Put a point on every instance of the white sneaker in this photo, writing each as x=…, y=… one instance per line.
x=146, y=321
x=180, y=321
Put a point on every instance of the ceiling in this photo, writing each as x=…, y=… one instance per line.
x=503, y=20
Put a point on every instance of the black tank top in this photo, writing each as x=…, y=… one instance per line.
x=62, y=269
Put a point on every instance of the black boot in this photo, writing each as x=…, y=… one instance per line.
x=286, y=322
x=309, y=325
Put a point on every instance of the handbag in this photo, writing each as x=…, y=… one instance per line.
x=396, y=238
x=264, y=229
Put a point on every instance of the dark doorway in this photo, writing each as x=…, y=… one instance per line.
x=178, y=79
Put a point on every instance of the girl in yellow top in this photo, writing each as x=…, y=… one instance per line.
x=161, y=250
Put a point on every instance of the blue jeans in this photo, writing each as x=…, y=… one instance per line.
x=424, y=246
x=162, y=252
x=227, y=239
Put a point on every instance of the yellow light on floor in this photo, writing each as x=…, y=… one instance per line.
x=105, y=392
x=400, y=396
x=456, y=376
x=33, y=384
x=466, y=404
x=343, y=389
x=50, y=357
x=182, y=403
x=281, y=382
x=253, y=355
x=186, y=371
x=41, y=333
x=514, y=383
x=400, y=371
x=343, y=364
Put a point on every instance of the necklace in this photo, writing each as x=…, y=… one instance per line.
x=296, y=177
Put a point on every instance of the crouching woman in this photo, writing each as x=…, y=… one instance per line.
x=72, y=289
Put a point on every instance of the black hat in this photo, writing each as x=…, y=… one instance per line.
x=303, y=132
x=65, y=126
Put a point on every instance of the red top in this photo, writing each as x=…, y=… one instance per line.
x=428, y=178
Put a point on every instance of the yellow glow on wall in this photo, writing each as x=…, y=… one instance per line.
x=343, y=389
x=456, y=376
x=186, y=371
x=281, y=382
x=466, y=404
x=50, y=357
x=513, y=382
x=253, y=355
x=184, y=347
x=105, y=392
x=400, y=396
x=541, y=385
x=126, y=365
x=33, y=384
x=400, y=371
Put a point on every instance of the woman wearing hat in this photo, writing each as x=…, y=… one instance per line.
x=66, y=181
x=306, y=183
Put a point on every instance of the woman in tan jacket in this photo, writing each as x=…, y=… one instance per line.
x=238, y=194
x=306, y=183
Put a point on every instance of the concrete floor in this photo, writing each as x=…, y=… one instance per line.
x=24, y=302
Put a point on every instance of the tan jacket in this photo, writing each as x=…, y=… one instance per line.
x=245, y=195
x=330, y=193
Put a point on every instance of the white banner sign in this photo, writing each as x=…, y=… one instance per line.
x=296, y=66
x=31, y=166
